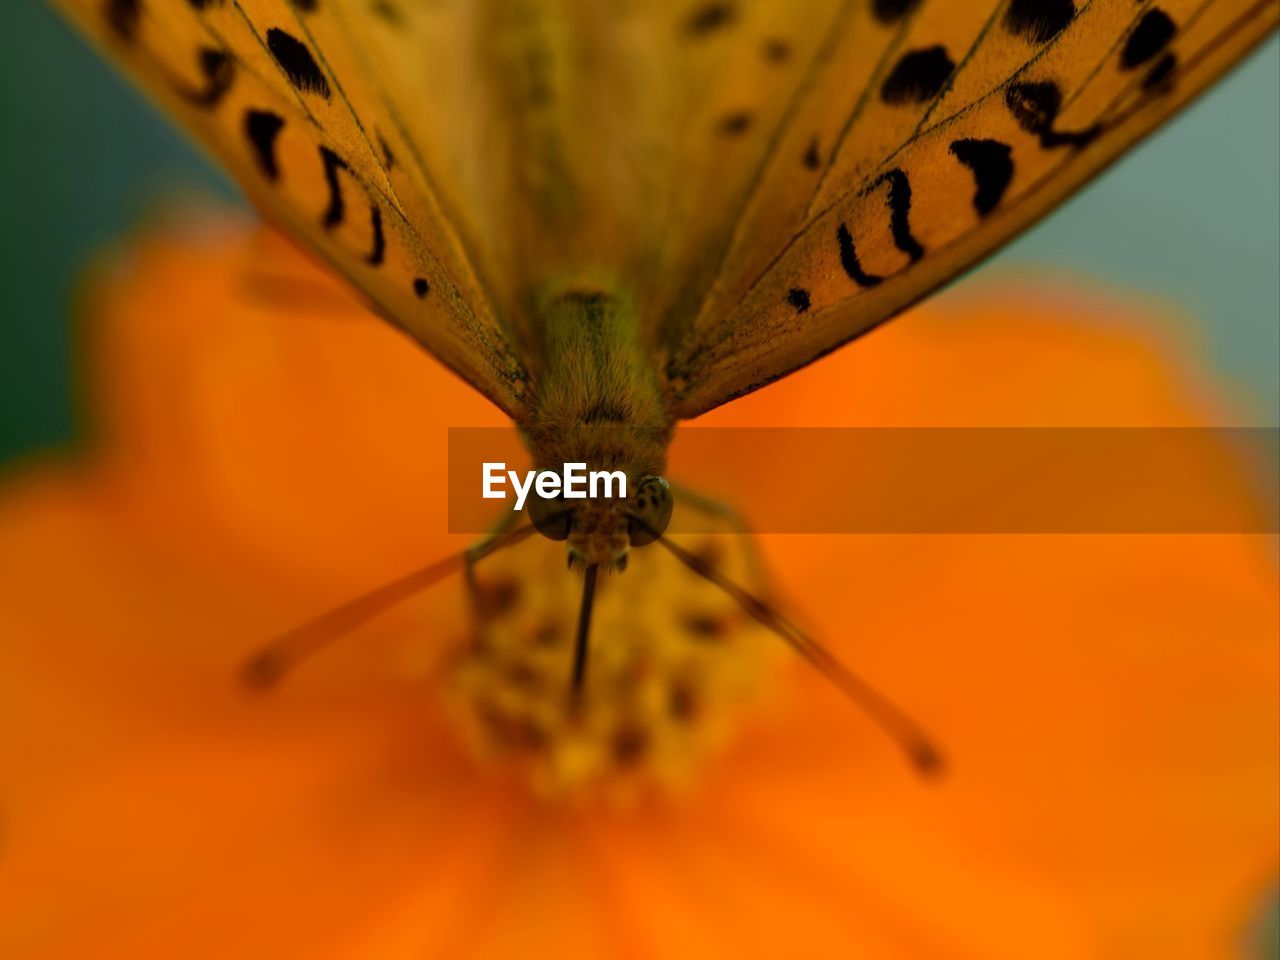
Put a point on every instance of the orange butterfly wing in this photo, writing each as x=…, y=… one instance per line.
x=284, y=96
x=951, y=150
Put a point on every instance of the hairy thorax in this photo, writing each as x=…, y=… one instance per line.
x=599, y=402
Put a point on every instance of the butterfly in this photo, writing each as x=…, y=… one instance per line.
x=609, y=217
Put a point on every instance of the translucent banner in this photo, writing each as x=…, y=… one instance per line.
x=929, y=480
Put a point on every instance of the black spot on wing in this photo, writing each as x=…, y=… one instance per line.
x=219, y=71
x=1038, y=20
x=799, y=299
x=123, y=17
x=734, y=124
x=421, y=287
x=900, y=212
x=992, y=167
x=891, y=11
x=812, y=159
x=297, y=62
x=306, y=6
x=1035, y=106
x=378, y=252
x=1149, y=37
x=1160, y=77
x=204, y=4
x=709, y=18
x=919, y=76
x=337, y=209
x=262, y=128
x=849, y=260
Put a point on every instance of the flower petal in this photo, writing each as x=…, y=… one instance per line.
x=252, y=408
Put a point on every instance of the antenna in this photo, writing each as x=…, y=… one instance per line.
x=905, y=732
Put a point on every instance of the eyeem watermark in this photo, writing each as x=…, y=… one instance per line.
x=913, y=480
x=574, y=482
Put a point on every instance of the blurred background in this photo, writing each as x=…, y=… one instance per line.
x=1183, y=218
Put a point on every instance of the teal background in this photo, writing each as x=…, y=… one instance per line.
x=1193, y=215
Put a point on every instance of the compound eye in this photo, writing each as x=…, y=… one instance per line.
x=551, y=517
x=650, y=511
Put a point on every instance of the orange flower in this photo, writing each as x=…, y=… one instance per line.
x=265, y=449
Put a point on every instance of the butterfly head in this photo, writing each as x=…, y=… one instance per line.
x=601, y=532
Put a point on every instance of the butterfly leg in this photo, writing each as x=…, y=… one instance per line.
x=270, y=663
x=474, y=553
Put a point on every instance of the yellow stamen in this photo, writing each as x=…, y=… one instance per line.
x=674, y=661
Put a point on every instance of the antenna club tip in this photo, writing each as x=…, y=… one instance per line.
x=928, y=761
x=262, y=672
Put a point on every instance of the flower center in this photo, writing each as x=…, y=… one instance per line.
x=673, y=662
